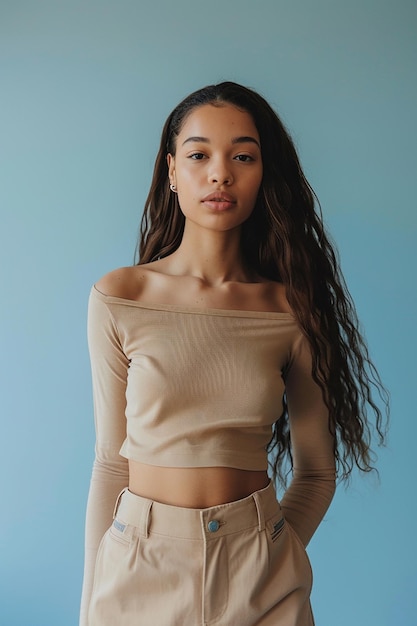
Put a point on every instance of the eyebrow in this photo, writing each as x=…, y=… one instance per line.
x=244, y=139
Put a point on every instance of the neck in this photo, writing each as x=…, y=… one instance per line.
x=212, y=256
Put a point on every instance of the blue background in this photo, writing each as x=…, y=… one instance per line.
x=85, y=89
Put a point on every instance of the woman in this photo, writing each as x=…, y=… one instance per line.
x=232, y=338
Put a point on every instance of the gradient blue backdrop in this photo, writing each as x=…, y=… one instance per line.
x=85, y=88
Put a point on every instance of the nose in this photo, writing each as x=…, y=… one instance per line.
x=220, y=173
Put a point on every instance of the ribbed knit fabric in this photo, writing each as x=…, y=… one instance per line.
x=202, y=387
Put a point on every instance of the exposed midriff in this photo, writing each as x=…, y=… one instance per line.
x=197, y=487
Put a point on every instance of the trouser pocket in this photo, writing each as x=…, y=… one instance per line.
x=287, y=553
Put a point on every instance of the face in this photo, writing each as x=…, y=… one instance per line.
x=217, y=167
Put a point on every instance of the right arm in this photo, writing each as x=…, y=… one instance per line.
x=109, y=367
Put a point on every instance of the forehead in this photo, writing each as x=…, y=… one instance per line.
x=222, y=120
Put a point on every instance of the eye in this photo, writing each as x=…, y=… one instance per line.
x=244, y=158
x=196, y=156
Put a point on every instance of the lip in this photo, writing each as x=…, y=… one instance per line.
x=219, y=201
x=219, y=196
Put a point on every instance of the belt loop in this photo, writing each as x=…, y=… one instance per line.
x=260, y=511
x=145, y=519
x=118, y=499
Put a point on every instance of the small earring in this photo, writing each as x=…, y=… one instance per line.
x=173, y=188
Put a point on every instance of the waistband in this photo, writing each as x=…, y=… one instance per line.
x=151, y=517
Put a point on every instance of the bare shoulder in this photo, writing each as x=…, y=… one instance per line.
x=124, y=282
x=277, y=294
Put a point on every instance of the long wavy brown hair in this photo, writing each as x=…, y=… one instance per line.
x=284, y=240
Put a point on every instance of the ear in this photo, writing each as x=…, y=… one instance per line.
x=171, y=168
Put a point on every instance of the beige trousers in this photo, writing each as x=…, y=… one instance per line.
x=236, y=564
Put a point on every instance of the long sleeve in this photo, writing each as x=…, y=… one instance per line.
x=311, y=490
x=109, y=367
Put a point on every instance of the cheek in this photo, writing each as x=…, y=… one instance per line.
x=187, y=197
x=187, y=183
x=256, y=186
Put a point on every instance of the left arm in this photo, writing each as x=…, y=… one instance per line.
x=310, y=493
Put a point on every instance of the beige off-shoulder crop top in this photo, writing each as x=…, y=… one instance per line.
x=197, y=387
